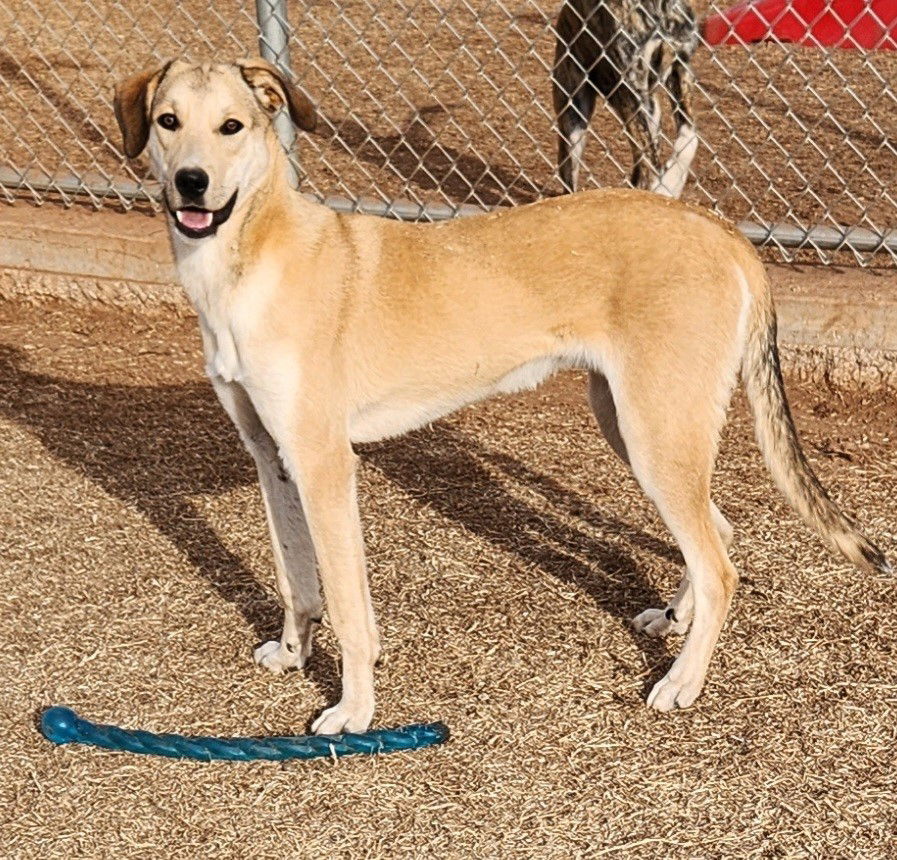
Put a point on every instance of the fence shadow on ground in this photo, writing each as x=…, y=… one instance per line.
x=158, y=447
x=416, y=156
x=64, y=103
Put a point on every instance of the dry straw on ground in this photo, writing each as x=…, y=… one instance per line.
x=507, y=551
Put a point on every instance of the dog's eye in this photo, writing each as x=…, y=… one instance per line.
x=168, y=120
x=231, y=126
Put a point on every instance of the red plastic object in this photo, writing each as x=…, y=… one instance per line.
x=866, y=25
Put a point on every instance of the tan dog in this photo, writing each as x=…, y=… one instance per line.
x=322, y=330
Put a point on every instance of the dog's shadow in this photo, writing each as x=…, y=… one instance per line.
x=454, y=474
x=158, y=447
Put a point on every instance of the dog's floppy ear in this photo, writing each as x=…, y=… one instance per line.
x=133, y=98
x=273, y=91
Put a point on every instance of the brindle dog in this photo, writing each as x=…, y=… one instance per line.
x=626, y=51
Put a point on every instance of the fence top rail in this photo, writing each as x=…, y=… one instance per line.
x=856, y=239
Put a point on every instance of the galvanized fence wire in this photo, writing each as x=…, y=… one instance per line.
x=435, y=108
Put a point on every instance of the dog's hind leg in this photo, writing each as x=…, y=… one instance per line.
x=573, y=114
x=679, y=85
x=294, y=556
x=671, y=452
x=636, y=109
x=713, y=580
x=676, y=616
x=633, y=100
x=602, y=402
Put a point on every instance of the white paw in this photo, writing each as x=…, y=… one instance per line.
x=676, y=689
x=276, y=657
x=344, y=718
x=654, y=622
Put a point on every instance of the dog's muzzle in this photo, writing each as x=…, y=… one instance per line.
x=197, y=223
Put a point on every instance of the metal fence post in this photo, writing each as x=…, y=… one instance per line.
x=274, y=46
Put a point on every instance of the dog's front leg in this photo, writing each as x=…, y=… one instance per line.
x=294, y=556
x=324, y=470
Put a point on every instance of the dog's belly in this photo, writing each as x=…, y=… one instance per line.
x=397, y=414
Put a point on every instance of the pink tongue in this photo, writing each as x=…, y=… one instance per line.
x=195, y=220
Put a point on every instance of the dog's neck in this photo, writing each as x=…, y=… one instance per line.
x=211, y=269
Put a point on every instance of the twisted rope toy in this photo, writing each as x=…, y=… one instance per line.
x=62, y=726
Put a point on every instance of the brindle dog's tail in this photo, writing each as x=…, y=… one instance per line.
x=781, y=449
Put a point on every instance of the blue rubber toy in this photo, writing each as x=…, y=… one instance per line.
x=63, y=726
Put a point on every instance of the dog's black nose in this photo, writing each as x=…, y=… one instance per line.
x=191, y=182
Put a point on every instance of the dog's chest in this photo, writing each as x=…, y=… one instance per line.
x=223, y=358
x=228, y=310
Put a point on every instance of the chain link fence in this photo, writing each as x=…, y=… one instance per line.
x=436, y=108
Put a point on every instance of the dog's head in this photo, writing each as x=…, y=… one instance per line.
x=208, y=132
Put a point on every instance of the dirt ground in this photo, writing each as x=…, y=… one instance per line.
x=507, y=551
x=451, y=102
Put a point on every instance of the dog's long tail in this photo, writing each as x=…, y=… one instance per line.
x=781, y=449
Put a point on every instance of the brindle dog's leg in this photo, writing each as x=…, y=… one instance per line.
x=574, y=103
x=679, y=87
x=634, y=102
x=573, y=125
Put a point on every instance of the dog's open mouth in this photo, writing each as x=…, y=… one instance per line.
x=197, y=223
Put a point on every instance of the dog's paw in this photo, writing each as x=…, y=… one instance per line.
x=659, y=623
x=344, y=718
x=677, y=689
x=277, y=657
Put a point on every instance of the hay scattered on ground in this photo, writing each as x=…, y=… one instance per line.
x=508, y=550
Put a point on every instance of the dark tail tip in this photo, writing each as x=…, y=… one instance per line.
x=876, y=558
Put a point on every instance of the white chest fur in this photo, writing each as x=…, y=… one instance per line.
x=228, y=307
x=222, y=358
